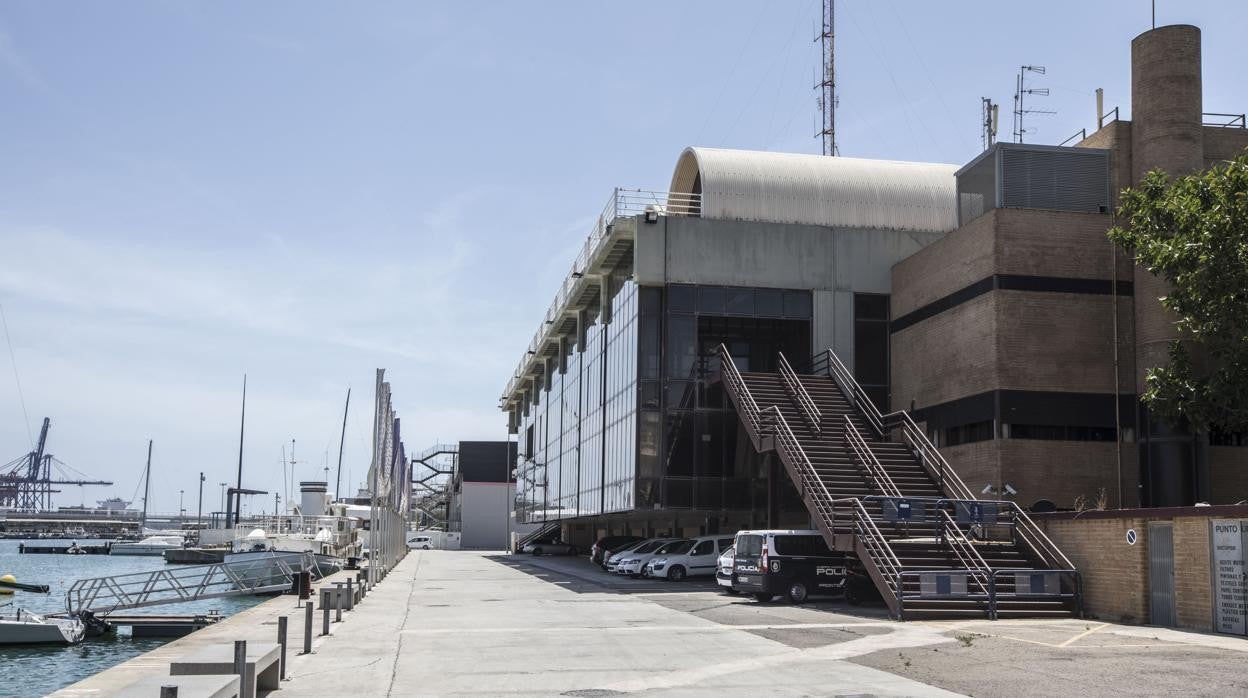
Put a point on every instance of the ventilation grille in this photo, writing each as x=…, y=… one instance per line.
x=1065, y=180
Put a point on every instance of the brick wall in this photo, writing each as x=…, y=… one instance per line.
x=1115, y=574
x=1061, y=342
x=953, y=262
x=1193, y=594
x=1059, y=471
x=948, y=356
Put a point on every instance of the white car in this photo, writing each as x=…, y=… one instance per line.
x=697, y=560
x=634, y=564
x=723, y=575
x=642, y=546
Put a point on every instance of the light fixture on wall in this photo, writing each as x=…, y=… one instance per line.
x=652, y=214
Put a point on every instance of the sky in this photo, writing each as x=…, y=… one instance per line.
x=303, y=192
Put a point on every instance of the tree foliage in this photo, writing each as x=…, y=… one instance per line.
x=1193, y=232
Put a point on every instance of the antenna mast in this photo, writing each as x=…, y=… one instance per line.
x=1021, y=90
x=989, y=122
x=827, y=99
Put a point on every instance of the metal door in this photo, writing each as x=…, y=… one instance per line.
x=1161, y=574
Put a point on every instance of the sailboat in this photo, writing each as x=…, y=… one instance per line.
x=155, y=543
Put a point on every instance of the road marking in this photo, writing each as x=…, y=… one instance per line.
x=1084, y=634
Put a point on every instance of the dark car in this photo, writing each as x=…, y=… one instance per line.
x=609, y=543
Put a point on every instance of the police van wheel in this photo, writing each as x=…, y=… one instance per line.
x=760, y=596
x=676, y=574
x=797, y=592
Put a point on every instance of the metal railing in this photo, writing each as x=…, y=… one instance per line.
x=181, y=584
x=623, y=202
x=1224, y=120
x=810, y=411
x=1080, y=135
x=830, y=363
x=874, y=471
x=732, y=377
x=969, y=558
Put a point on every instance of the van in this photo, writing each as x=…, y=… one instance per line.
x=790, y=563
x=699, y=560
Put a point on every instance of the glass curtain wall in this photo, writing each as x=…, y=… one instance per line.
x=578, y=452
x=703, y=461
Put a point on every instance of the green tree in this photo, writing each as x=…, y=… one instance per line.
x=1193, y=232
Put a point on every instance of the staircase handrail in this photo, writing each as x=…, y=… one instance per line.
x=728, y=370
x=866, y=458
x=849, y=385
x=547, y=527
x=968, y=556
x=928, y=455
x=884, y=557
x=1036, y=539
x=810, y=411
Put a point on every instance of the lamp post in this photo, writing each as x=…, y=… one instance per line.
x=181, y=510
x=199, y=517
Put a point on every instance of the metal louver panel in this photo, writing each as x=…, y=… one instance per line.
x=1068, y=179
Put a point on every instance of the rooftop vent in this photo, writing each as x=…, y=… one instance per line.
x=1015, y=175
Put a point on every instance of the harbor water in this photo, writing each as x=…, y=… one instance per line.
x=39, y=670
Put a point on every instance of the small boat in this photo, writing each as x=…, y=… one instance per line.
x=26, y=628
x=152, y=545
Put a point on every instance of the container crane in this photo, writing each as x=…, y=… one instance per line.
x=26, y=483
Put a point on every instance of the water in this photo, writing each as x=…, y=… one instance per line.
x=38, y=670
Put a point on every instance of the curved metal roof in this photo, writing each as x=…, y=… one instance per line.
x=819, y=190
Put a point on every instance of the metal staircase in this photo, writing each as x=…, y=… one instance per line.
x=875, y=486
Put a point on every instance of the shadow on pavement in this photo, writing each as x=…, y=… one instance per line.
x=579, y=575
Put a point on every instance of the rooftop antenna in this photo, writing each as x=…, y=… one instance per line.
x=827, y=100
x=1020, y=91
x=989, y=133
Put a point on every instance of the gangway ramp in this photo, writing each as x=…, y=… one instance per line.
x=181, y=584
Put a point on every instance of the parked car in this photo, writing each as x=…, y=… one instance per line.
x=634, y=564
x=794, y=564
x=723, y=572
x=549, y=547
x=699, y=560
x=602, y=545
x=420, y=543
x=641, y=547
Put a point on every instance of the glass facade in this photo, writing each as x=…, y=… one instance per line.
x=635, y=420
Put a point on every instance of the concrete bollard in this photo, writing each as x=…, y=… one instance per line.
x=350, y=594
x=325, y=610
x=281, y=640
x=240, y=661
x=307, y=627
x=168, y=692
x=337, y=602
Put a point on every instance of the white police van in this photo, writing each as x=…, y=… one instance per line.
x=790, y=563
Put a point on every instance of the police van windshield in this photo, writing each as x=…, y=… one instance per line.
x=749, y=546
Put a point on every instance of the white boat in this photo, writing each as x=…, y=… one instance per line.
x=26, y=628
x=152, y=545
x=317, y=527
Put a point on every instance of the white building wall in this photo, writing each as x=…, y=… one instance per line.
x=485, y=514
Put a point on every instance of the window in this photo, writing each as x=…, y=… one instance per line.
x=528, y=442
x=768, y=303
x=1050, y=432
x=683, y=299
x=749, y=546
x=740, y=301
x=801, y=545
x=797, y=304
x=711, y=300
x=1227, y=438
x=706, y=547
x=724, y=544
x=968, y=433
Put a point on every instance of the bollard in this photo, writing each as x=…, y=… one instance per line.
x=307, y=628
x=350, y=595
x=325, y=611
x=168, y=692
x=240, y=662
x=281, y=640
x=337, y=602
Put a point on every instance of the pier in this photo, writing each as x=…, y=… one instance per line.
x=25, y=549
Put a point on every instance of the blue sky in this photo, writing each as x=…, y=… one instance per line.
x=306, y=191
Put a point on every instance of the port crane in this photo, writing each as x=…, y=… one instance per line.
x=26, y=482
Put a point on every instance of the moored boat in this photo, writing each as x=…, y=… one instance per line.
x=26, y=628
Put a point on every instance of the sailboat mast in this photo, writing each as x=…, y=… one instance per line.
x=241, y=426
x=341, y=438
x=147, y=479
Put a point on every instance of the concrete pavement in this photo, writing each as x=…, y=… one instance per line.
x=466, y=623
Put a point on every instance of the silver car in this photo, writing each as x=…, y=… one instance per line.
x=634, y=564
x=641, y=547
